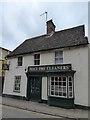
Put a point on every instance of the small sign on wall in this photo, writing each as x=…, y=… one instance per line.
x=5, y=67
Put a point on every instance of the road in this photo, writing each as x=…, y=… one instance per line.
x=11, y=112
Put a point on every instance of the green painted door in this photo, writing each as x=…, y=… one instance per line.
x=35, y=88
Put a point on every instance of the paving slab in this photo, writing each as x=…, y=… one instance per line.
x=45, y=108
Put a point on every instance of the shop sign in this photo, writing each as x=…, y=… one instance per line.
x=5, y=67
x=49, y=67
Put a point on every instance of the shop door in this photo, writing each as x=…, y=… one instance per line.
x=35, y=88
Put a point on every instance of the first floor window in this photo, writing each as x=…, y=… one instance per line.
x=17, y=83
x=58, y=57
x=20, y=59
x=61, y=86
x=36, y=59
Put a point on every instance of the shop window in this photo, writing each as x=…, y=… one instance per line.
x=20, y=59
x=58, y=57
x=17, y=83
x=61, y=86
x=58, y=86
x=36, y=59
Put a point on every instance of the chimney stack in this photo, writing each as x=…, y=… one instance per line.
x=50, y=27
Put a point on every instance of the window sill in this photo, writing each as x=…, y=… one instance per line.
x=60, y=97
x=18, y=66
x=16, y=91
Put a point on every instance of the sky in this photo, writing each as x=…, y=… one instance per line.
x=22, y=20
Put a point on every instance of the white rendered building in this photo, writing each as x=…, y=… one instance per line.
x=54, y=67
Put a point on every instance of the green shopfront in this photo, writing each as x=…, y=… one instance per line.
x=60, y=84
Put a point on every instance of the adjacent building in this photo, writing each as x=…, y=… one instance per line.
x=3, y=53
x=54, y=67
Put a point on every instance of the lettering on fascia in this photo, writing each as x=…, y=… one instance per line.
x=43, y=68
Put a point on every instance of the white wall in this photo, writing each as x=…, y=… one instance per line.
x=79, y=60
x=15, y=71
x=47, y=58
x=89, y=74
x=44, y=88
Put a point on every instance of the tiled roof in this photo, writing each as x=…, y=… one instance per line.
x=61, y=39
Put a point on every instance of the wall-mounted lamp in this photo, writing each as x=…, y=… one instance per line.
x=26, y=69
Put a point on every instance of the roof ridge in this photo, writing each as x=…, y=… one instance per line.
x=36, y=37
x=70, y=28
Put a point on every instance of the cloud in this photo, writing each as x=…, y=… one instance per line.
x=22, y=20
x=26, y=22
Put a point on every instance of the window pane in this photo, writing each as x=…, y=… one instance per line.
x=64, y=94
x=59, y=78
x=70, y=83
x=70, y=79
x=60, y=89
x=60, y=83
x=56, y=83
x=37, y=56
x=64, y=89
x=64, y=78
x=52, y=83
x=70, y=94
x=52, y=78
x=70, y=88
x=60, y=93
x=56, y=88
x=56, y=78
x=58, y=54
x=56, y=93
x=52, y=87
x=36, y=62
x=64, y=83
x=52, y=92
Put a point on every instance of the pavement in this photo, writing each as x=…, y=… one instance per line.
x=75, y=114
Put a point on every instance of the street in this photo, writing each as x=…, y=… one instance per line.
x=11, y=112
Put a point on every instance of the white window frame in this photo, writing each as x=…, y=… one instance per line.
x=58, y=87
x=37, y=59
x=71, y=87
x=59, y=58
x=20, y=62
x=17, y=84
x=67, y=87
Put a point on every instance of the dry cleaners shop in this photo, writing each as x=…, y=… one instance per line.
x=53, y=83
